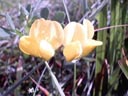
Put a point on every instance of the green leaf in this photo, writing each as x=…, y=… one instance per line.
x=59, y=16
x=28, y=8
x=3, y=33
x=114, y=76
x=44, y=13
x=24, y=10
x=102, y=36
x=10, y=21
x=18, y=32
x=124, y=67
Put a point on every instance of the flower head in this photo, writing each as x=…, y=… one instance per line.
x=44, y=38
x=78, y=40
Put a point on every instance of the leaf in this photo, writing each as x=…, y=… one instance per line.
x=113, y=77
x=3, y=33
x=44, y=13
x=25, y=10
x=102, y=36
x=28, y=8
x=10, y=21
x=18, y=32
x=59, y=16
x=101, y=80
x=124, y=67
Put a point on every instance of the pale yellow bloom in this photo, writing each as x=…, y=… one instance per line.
x=78, y=40
x=44, y=38
x=72, y=50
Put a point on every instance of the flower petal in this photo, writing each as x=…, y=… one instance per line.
x=40, y=29
x=57, y=34
x=28, y=46
x=72, y=50
x=90, y=45
x=75, y=32
x=80, y=34
x=90, y=29
x=46, y=50
x=50, y=31
x=69, y=32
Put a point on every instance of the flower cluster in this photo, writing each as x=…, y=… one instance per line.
x=46, y=36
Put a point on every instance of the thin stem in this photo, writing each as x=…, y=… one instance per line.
x=40, y=87
x=39, y=81
x=90, y=15
x=34, y=9
x=58, y=87
x=66, y=9
x=105, y=28
x=74, y=81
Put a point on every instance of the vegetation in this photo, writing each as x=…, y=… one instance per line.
x=103, y=72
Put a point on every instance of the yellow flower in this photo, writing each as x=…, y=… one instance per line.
x=44, y=38
x=78, y=40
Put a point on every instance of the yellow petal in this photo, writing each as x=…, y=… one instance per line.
x=80, y=34
x=40, y=29
x=46, y=50
x=69, y=32
x=90, y=29
x=89, y=46
x=75, y=32
x=57, y=34
x=72, y=50
x=50, y=31
x=28, y=46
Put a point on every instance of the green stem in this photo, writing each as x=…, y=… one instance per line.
x=58, y=87
x=66, y=9
x=74, y=81
x=34, y=94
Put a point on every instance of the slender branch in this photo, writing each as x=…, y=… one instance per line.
x=34, y=9
x=39, y=81
x=40, y=87
x=93, y=13
x=55, y=80
x=105, y=28
x=66, y=10
x=74, y=81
